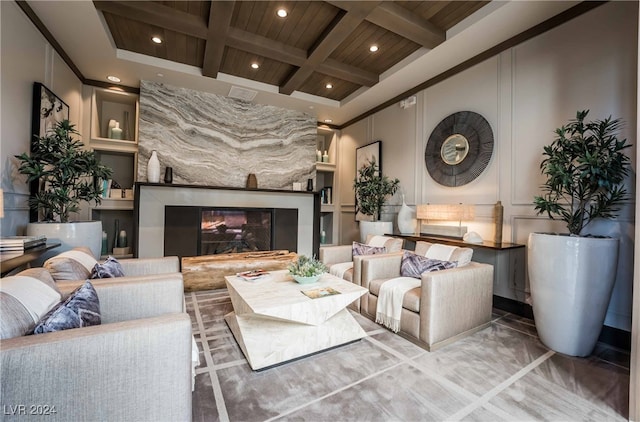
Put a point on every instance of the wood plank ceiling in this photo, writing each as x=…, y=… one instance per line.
x=317, y=43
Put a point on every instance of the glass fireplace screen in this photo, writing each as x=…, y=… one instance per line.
x=230, y=230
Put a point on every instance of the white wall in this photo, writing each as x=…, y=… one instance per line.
x=26, y=58
x=524, y=93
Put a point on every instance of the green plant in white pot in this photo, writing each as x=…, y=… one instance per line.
x=372, y=190
x=67, y=175
x=572, y=275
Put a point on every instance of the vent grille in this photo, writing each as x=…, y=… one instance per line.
x=242, y=93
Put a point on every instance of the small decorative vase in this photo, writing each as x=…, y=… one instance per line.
x=406, y=219
x=306, y=280
x=252, y=181
x=153, y=168
x=309, y=185
x=168, y=175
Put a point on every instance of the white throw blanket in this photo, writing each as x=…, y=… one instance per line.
x=338, y=270
x=389, y=307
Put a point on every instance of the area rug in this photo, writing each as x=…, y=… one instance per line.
x=500, y=373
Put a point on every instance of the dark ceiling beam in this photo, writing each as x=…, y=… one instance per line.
x=220, y=15
x=158, y=15
x=397, y=19
x=265, y=47
x=174, y=20
x=341, y=28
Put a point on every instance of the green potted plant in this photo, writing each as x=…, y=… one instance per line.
x=572, y=275
x=67, y=175
x=372, y=190
x=306, y=269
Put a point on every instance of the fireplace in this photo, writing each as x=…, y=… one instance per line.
x=205, y=230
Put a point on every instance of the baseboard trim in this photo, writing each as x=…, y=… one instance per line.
x=612, y=336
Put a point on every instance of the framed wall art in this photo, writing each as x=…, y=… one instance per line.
x=364, y=154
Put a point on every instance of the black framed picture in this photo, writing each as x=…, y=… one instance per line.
x=48, y=109
x=364, y=154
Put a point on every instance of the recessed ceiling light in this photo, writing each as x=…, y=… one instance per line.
x=113, y=78
x=328, y=86
x=255, y=65
x=328, y=120
x=156, y=40
x=282, y=13
x=373, y=48
x=160, y=74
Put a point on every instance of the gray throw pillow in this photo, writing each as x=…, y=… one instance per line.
x=414, y=265
x=358, y=248
x=110, y=268
x=80, y=309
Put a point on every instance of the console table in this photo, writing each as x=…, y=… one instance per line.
x=508, y=260
x=9, y=261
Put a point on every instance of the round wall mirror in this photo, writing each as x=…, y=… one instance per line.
x=459, y=148
x=454, y=149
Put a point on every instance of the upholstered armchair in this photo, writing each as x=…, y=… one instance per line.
x=342, y=262
x=136, y=365
x=447, y=304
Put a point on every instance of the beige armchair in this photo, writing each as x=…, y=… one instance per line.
x=136, y=365
x=448, y=305
x=350, y=266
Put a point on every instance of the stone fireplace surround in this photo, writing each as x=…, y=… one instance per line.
x=151, y=199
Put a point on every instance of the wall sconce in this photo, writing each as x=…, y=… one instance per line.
x=444, y=212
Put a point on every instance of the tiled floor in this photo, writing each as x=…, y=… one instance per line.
x=502, y=373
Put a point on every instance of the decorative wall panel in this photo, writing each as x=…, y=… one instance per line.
x=213, y=140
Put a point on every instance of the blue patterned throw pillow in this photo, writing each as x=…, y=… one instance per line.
x=80, y=309
x=358, y=248
x=110, y=268
x=414, y=265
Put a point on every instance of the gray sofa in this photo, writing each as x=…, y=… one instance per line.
x=136, y=365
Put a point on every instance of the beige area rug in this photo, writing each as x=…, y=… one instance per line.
x=500, y=373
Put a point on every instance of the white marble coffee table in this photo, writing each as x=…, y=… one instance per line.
x=274, y=322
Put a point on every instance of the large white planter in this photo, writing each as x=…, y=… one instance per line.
x=70, y=235
x=374, y=228
x=571, y=280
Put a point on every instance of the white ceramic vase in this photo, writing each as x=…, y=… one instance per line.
x=374, y=228
x=571, y=280
x=70, y=235
x=406, y=219
x=153, y=168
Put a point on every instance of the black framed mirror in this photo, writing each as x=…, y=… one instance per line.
x=459, y=148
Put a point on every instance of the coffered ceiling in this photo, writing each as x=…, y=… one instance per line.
x=210, y=46
x=318, y=44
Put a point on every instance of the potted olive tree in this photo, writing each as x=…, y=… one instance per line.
x=372, y=190
x=572, y=275
x=67, y=175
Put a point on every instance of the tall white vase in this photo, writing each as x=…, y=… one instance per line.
x=406, y=219
x=153, y=168
x=571, y=280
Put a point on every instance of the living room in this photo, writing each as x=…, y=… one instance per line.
x=524, y=91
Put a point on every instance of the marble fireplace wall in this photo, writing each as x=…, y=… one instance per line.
x=213, y=140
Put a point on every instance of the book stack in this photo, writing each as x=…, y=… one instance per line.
x=253, y=275
x=20, y=243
